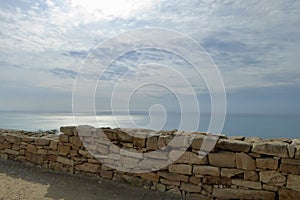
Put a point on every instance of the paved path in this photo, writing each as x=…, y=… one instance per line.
x=20, y=181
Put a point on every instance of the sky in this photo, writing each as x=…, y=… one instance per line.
x=254, y=44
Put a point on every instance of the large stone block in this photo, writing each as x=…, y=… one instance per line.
x=291, y=169
x=272, y=177
x=206, y=170
x=244, y=161
x=174, y=176
x=267, y=163
x=250, y=175
x=226, y=159
x=187, y=157
x=285, y=194
x=293, y=182
x=234, y=145
x=231, y=172
x=271, y=148
x=190, y=187
x=228, y=193
x=42, y=141
x=88, y=167
x=248, y=184
x=181, y=168
x=290, y=161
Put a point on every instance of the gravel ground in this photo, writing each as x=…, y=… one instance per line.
x=20, y=181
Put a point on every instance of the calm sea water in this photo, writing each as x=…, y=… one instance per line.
x=265, y=126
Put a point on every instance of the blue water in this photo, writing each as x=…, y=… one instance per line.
x=259, y=125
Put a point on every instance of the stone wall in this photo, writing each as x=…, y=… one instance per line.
x=237, y=167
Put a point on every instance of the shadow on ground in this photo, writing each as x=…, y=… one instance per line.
x=20, y=181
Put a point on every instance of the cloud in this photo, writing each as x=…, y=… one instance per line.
x=254, y=43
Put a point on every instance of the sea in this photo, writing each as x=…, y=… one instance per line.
x=250, y=125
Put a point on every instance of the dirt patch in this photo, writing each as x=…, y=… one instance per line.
x=20, y=181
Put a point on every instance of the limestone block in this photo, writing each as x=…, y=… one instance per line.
x=248, y=184
x=206, y=170
x=187, y=157
x=244, y=161
x=190, y=187
x=271, y=148
x=291, y=169
x=88, y=167
x=181, y=168
x=285, y=194
x=234, y=145
x=168, y=182
x=293, y=182
x=64, y=160
x=250, y=175
x=267, y=163
x=174, y=176
x=226, y=159
x=42, y=141
x=68, y=130
x=31, y=149
x=231, y=172
x=272, y=177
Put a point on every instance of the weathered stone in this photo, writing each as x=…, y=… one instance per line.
x=197, y=142
x=250, y=176
x=157, y=155
x=125, y=137
x=290, y=161
x=206, y=170
x=187, y=157
x=88, y=167
x=228, y=193
x=244, y=161
x=234, y=145
x=106, y=174
x=63, y=150
x=174, y=176
x=270, y=188
x=181, y=168
x=291, y=150
x=248, y=184
x=168, y=182
x=31, y=149
x=151, y=176
x=285, y=194
x=64, y=160
x=76, y=141
x=42, y=151
x=85, y=153
x=190, y=187
x=267, y=163
x=194, y=180
x=63, y=138
x=130, y=162
x=216, y=180
x=293, y=182
x=291, y=169
x=297, y=152
x=139, y=140
x=53, y=144
x=152, y=142
x=272, y=177
x=12, y=152
x=231, y=172
x=68, y=130
x=271, y=148
x=42, y=141
x=225, y=159
x=34, y=158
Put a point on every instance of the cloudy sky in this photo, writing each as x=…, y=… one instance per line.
x=255, y=45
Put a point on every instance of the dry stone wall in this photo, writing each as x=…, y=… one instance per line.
x=237, y=168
